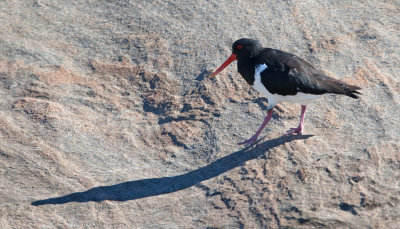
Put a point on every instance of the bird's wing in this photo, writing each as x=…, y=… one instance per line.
x=289, y=74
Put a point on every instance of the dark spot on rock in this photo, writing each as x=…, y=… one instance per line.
x=175, y=140
x=294, y=209
x=3, y=154
x=228, y=203
x=202, y=75
x=91, y=93
x=207, y=99
x=368, y=37
x=347, y=207
x=302, y=220
x=362, y=202
x=328, y=172
x=357, y=178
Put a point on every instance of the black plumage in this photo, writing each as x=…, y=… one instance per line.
x=287, y=74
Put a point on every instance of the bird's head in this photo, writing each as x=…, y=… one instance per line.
x=241, y=49
x=245, y=48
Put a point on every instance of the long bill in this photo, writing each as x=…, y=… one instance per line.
x=226, y=63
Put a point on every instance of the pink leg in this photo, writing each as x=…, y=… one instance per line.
x=300, y=128
x=255, y=136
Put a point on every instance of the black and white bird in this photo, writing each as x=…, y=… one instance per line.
x=282, y=77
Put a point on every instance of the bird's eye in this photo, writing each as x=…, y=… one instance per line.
x=239, y=47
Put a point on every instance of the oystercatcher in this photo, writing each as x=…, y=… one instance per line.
x=282, y=77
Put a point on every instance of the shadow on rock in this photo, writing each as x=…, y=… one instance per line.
x=138, y=189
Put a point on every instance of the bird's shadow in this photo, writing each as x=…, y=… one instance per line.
x=138, y=189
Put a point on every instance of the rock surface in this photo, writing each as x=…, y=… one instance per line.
x=108, y=119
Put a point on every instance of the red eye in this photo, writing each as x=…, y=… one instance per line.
x=239, y=47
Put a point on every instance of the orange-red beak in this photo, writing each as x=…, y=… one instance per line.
x=226, y=63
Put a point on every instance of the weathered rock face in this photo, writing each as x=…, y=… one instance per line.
x=108, y=119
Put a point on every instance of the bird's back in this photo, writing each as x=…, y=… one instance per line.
x=288, y=74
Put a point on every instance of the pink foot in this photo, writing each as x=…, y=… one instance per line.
x=249, y=141
x=297, y=130
x=255, y=136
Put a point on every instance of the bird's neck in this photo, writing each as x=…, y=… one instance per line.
x=246, y=68
x=247, y=63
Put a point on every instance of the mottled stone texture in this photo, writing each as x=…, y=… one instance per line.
x=108, y=119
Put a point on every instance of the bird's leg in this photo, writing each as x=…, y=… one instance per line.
x=300, y=128
x=255, y=136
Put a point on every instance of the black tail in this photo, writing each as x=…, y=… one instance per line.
x=335, y=86
x=351, y=91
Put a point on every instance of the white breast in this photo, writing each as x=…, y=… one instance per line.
x=273, y=99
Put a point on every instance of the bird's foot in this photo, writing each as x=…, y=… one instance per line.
x=299, y=130
x=249, y=141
